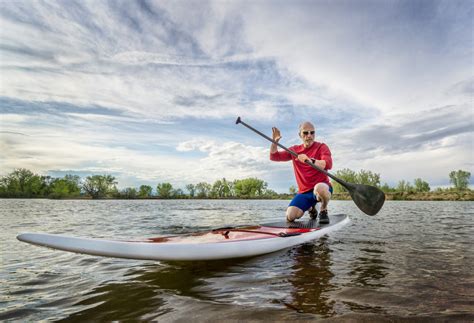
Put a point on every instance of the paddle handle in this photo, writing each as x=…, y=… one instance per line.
x=340, y=181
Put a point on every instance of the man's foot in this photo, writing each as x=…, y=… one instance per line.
x=313, y=213
x=323, y=217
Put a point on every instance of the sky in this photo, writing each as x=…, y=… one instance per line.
x=149, y=91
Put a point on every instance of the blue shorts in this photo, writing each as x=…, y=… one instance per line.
x=306, y=200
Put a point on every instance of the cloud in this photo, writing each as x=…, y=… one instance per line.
x=149, y=90
x=95, y=54
x=386, y=55
x=410, y=145
x=410, y=132
x=464, y=88
x=230, y=158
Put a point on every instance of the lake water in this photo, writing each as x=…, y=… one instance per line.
x=412, y=261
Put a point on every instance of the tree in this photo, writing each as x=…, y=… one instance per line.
x=346, y=175
x=203, y=189
x=164, y=190
x=24, y=183
x=65, y=187
x=270, y=193
x=99, y=186
x=293, y=190
x=46, y=182
x=366, y=177
x=191, y=189
x=421, y=185
x=404, y=186
x=145, y=191
x=178, y=193
x=386, y=188
x=129, y=193
x=221, y=188
x=249, y=187
x=460, y=179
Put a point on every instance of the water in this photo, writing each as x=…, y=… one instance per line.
x=412, y=261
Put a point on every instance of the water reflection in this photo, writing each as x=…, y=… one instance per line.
x=370, y=266
x=311, y=279
x=147, y=293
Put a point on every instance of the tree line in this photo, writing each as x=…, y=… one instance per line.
x=23, y=183
x=459, y=179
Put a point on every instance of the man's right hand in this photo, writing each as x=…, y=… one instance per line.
x=276, y=134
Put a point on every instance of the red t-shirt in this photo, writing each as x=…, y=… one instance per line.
x=307, y=176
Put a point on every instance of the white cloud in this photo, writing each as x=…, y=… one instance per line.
x=383, y=58
x=6, y=118
x=230, y=159
x=370, y=76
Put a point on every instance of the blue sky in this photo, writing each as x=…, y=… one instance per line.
x=149, y=90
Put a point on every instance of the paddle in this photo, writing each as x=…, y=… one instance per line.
x=369, y=199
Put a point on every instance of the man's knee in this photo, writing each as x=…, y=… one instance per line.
x=321, y=190
x=293, y=213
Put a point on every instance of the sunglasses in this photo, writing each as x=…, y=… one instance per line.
x=305, y=133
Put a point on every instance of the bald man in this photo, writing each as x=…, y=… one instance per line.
x=313, y=186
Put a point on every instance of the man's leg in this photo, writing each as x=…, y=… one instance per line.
x=321, y=190
x=293, y=213
x=323, y=194
x=298, y=205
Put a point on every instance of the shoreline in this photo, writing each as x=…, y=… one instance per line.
x=454, y=196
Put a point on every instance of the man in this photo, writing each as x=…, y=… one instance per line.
x=313, y=185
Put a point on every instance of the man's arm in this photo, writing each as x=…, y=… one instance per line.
x=276, y=137
x=276, y=155
x=320, y=163
x=325, y=161
x=326, y=158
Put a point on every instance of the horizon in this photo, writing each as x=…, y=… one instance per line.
x=149, y=91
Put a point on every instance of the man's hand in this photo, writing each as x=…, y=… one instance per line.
x=320, y=163
x=302, y=158
x=276, y=134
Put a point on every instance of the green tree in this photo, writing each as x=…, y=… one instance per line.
x=191, y=189
x=386, y=188
x=178, y=193
x=24, y=183
x=221, y=188
x=345, y=174
x=362, y=177
x=68, y=186
x=249, y=187
x=270, y=193
x=129, y=193
x=145, y=191
x=404, y=186
x=460, y=179
x=421, y=185
x=99, y=186
x=367, y=177
x=203, y=189
x=293, y=190
x=164, y=190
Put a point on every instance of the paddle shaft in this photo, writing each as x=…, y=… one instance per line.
x=340, y=181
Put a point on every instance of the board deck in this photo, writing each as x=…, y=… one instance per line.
x=306, y=224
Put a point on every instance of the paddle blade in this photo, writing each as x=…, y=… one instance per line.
x=369, y=199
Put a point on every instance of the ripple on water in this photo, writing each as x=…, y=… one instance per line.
x=411, y=260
